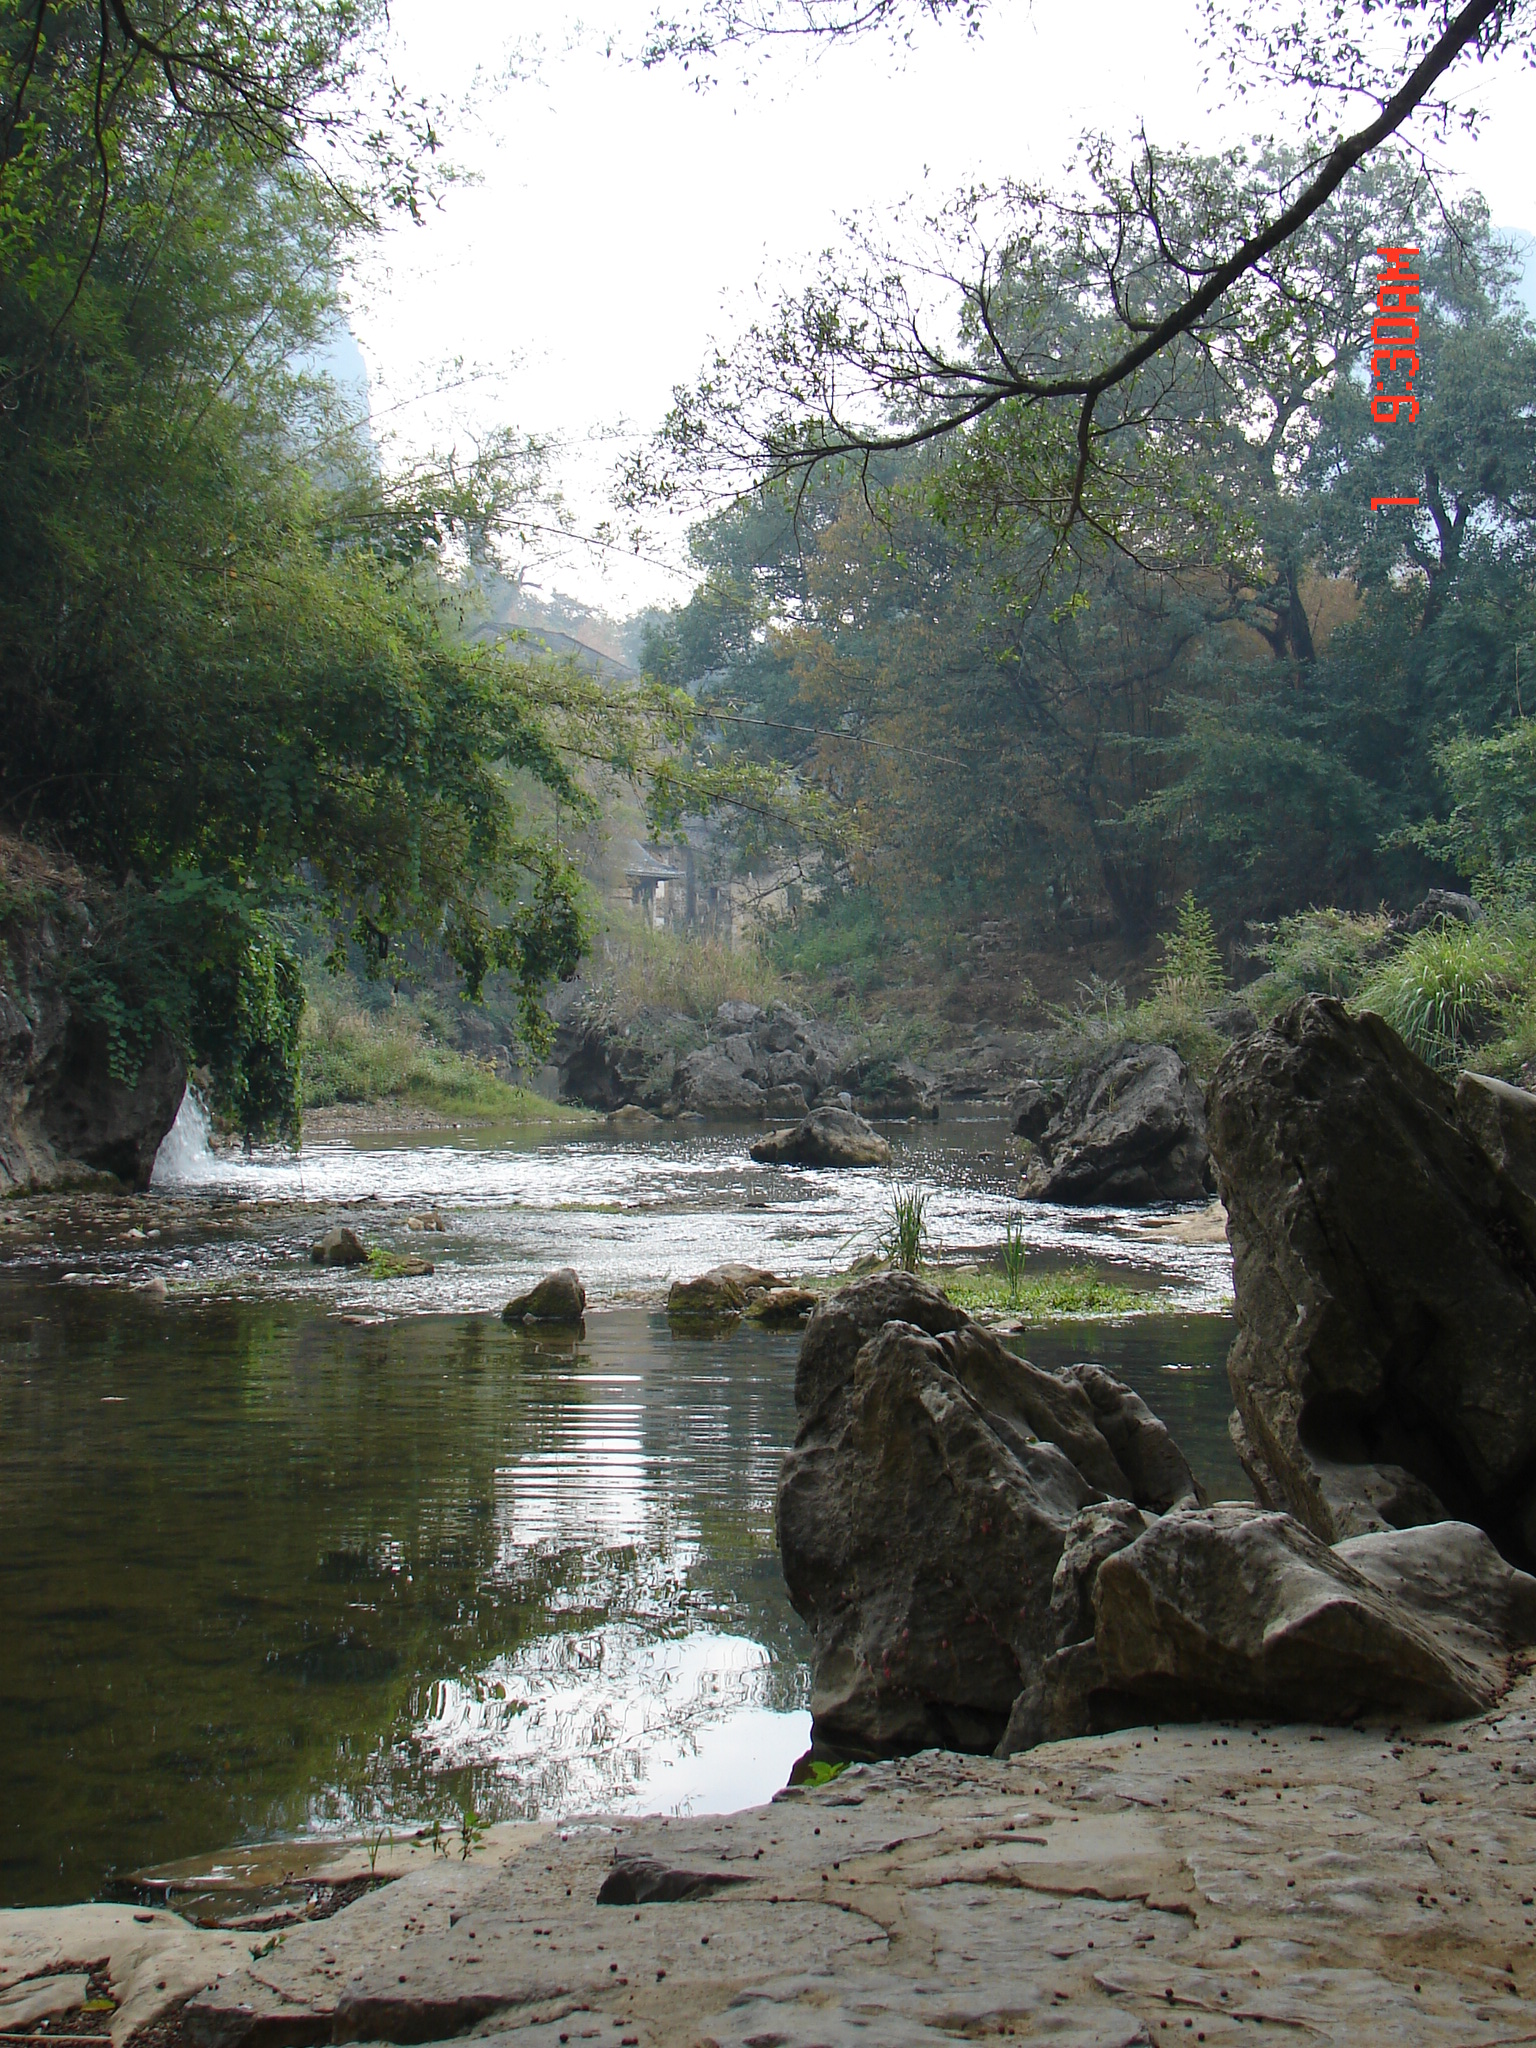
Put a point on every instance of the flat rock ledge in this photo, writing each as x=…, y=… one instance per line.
x=1157, y=1885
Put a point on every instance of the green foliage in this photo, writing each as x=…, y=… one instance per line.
x=1191, y=971
x=1445, y=990
x=905, y=1239
x=1490, y=835
x=197, y=962
x=1316, y=952
x=353, y=1055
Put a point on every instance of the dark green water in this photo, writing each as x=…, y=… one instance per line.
x=262, y=1572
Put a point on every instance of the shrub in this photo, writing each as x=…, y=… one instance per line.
x=1321, y=952
x=644, y=969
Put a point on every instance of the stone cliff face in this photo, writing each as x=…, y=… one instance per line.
x=64, y=1115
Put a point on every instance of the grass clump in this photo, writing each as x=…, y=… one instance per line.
x=905, y=1240
x=353, y=1055
x=1070, y=1292
x=1449, y=988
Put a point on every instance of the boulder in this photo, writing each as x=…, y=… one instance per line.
x=1443, y=906
x=710, y=1086
x=632, y=1118
x=339, y=1247
x=1383, y=1229
x=922, y=1513
x=785, y=1101
x=738, y=1016
x=1131, y=1130
x=559, y=1298
x=1031, y=1109
x=897, y=1089
x=1235, y=1611
x=783, y=1308
x=721, y=1292
x=827, y=1137
x=429, y=1219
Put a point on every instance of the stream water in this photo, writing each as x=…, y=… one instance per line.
x=294, y=1550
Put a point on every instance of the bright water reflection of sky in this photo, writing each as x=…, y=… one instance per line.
x=621, y=222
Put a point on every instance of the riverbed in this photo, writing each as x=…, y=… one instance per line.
x=292, y=1551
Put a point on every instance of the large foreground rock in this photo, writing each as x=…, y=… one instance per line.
x=827, y=1137
x=923, y=1509
x=1295, y=1884
x=1231, y=1611
x=1383, y=1231
x=1130, y=1130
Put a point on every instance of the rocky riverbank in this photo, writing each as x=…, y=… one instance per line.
x=1162, y=1884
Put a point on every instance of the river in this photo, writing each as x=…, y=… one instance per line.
x=295, y=1551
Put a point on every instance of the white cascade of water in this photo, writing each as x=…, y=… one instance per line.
x=185, y=1156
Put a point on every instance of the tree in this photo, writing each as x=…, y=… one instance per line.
x=1167, y=269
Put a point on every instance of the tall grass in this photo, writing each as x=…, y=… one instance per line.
x=905, y=1242
x=644, y=969
x=1447, y=990
x=1015, y=1256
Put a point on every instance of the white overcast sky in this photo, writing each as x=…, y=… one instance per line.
x=623, y=222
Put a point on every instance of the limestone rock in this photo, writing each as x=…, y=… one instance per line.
x=738, y=1016
x=1384, y=1242
x=339, y=1247
x=722, y=1292
x=1443, y=906
x=559, y=1298
x=632, y=1118
x=1234, y=1610
x=783, y=1308
x=1031, y=1109
x=710, y=1086
x=1131, y=1130
x=827, y=1137
x=429, y=1219
x=922, y=1514
x=64, y=1115
x=785, y=1100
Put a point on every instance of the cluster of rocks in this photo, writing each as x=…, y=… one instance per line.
x=990, y=1555
x=746, y=1065
x=727, y=1292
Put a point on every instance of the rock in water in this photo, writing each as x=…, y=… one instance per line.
x=722, y=1292
x=923, y=1510
x=339, y=1247
x=1131, y=1130
x=559, y=1298
x=783, y=1308
x=1031, y=1109
x=827, y=1137
x=1384, y=1240
x=1233, y=1611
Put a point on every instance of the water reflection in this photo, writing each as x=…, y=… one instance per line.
x=261, y=1573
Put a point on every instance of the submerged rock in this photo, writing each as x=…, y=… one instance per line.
x=339, y=1247
x=923, y=1510
x=1383, y=1230
x=1131, y=1130
x=827, y=1137
x=722, y=1292
x=559, y=1298
x=783, y=1308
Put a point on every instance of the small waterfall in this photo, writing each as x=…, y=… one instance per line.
x=185, y=1156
